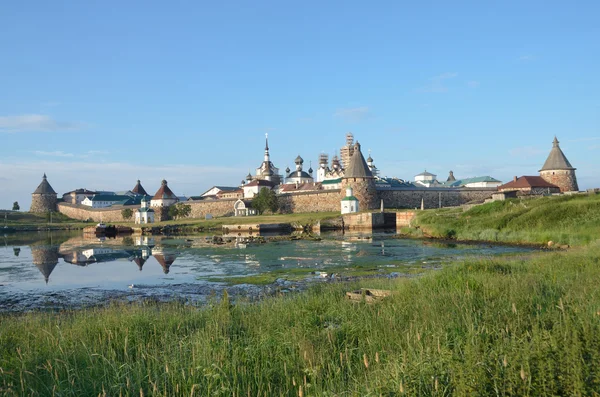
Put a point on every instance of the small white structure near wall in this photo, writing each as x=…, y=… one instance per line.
x=349, y=203
x=243, y=208
x=144, y=214
x=425, y=179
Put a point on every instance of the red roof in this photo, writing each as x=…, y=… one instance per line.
x=525, y=182
x=164, y=192
x=291, y=187
x=260, y=182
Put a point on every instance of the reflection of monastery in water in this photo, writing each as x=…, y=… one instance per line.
x=95, y=255
x=46, y=257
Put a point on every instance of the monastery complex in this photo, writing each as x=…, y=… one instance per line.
x=348, y=183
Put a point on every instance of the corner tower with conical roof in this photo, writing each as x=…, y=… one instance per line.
x=44, y=198
x=164, y=196
x=359, y=177
x=558, y=171
x=139, y=189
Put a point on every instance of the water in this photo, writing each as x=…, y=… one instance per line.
x=62, y=269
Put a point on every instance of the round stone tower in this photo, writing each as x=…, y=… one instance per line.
x=359, y=177
x=44, y=198
x=558, y=171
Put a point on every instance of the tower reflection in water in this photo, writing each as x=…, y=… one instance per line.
x=46, y=256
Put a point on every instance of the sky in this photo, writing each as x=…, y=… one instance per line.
x=99, y=94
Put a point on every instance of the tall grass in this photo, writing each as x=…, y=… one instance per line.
x=573, y=220
x=483, y=327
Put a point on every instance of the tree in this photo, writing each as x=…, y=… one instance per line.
x=180, y=211
x=265, y=200
x=126, y=213
x=16, y=206
x=184, y=210
x=173, y=212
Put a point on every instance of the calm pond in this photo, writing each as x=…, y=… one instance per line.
x=68, y=269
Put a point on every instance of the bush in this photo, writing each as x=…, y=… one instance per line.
x=126, y=213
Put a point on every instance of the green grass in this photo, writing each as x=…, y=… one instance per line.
x=572, y=220
x=502, y=326
x=20, y=220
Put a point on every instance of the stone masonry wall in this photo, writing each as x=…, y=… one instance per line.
x=411, y=198
x=323, y=201
x=43, y=203
x=83, y=213
x=364, y=220
x=564, y=179
x=221, y=207
x=404, y=219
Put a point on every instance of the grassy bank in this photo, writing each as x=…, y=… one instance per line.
x=572, y=220
x=488, y=327
x=29, y=220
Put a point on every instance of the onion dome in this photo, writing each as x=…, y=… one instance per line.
x=268, y=171
x=287, y=170
x=310, y=170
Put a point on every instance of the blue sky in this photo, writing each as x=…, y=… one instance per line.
x=98, y=94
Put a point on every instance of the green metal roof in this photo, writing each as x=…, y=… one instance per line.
x=110, y=197
x=349, y=198
x=331, y=181
x=466, y=181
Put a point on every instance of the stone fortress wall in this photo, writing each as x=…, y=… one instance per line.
x=84, y=213
x=322, y=201
x=433, y=197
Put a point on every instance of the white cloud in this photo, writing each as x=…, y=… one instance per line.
x=436, y=83
x=56, y=153
x=60, y=153
x=35, y=123
x=473, y=84
x=353, y=114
